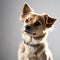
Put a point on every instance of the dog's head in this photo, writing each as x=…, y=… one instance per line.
x=35, y=24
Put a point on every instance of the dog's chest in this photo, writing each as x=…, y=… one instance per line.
x=30, y=53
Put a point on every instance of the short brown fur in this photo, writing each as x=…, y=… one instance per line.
x=34, y=34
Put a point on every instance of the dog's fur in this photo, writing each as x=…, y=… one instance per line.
x=34, y=46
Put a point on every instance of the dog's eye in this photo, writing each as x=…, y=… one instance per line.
x=26, y=20
x=37, y=23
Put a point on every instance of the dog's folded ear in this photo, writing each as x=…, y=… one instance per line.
x=49, y=21
x=26, y=10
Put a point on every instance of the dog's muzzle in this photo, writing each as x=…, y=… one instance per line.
x=28, y=29
x=30, y=32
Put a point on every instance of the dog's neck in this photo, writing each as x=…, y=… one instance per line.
x=37, y=44
x=38, y=47
x=34, y=42
x=32, y=45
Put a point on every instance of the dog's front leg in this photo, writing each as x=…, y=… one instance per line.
x=21, y=51
x=49, y=58
x=49, y=55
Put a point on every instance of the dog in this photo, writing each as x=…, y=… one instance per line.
x=34, y=34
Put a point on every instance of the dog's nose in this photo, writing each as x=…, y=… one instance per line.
x=28, y=27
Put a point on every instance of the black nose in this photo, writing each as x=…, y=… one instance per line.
x=28, y=27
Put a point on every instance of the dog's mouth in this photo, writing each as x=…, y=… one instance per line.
x=32, y=33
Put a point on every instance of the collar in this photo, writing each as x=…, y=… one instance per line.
x=38, y=47
x=32, y=45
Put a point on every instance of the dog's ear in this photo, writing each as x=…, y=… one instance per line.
x=26, y=10
x=49, y=21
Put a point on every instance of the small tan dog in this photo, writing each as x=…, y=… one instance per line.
x=34, y=34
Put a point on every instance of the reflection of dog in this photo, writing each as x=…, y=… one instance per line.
x=36, y=27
